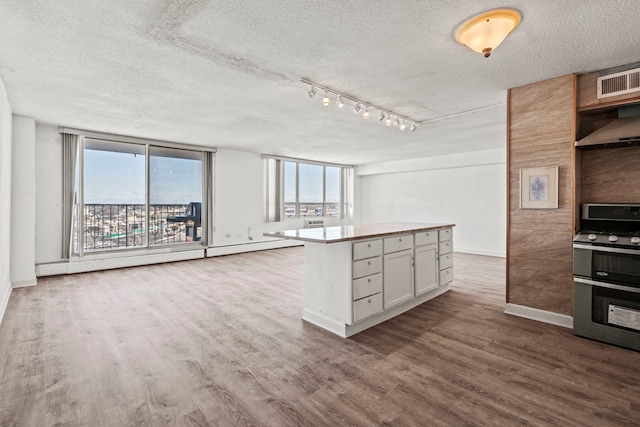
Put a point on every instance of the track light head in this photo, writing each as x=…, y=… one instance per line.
x=357, y=108
x=339, y=102
x=396, y=122
x=403, y=126
x=388, y=121
x=366, y=113
x=312, y=91
x=381, y=117
x=325, y=100
x=413, y=127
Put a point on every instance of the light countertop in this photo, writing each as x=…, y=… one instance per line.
x=354, y=232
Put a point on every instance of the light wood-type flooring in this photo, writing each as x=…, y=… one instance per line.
x=220, y=341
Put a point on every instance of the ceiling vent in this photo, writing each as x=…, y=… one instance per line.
x=619, y=83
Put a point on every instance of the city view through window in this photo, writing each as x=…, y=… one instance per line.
x=318, y=190
x=115, y=214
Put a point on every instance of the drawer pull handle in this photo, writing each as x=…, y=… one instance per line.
x=369, y=300
x=400, y=239
x=369, y=280
x=369, y=245
x=368, y=262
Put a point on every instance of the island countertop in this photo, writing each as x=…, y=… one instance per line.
x=354, y=232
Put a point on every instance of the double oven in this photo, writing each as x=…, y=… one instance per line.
x=606, y=274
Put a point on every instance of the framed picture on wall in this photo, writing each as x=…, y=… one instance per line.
x=539, y=188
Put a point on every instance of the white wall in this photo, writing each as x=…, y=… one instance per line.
x=23, y=202
x=5, y=199
x=467, y=189
x=48, y=218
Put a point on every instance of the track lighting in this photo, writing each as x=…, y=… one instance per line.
x=385, y=115
x=325, y=100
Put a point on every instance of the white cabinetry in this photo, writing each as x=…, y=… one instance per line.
x=398, y=270
x=367, y=279
x=426, y=261
x=445, y=255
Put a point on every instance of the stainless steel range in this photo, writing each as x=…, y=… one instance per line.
x=606, y=274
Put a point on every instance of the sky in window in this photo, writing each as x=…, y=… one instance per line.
x=119, y=178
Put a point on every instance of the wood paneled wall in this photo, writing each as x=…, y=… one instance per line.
x=541, y=129
x=611, y=175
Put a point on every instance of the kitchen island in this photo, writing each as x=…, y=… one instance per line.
x=357, y=276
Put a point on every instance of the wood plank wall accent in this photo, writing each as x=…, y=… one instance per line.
x=587, y=94
x=611, y=175
x=541, y=126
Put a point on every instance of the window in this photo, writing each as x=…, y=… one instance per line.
x=307, y=189
x=137, y=195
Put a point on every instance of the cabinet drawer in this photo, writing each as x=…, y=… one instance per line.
x=365, y=286
x=446, y=276
x=368, y=249
x=426, y=238
x=446, y=261
x=366, y=307
x=445, y=234
x=367, y=267
x=398, y=243
x=445, y=247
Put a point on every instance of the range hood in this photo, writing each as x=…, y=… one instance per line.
x=619, y=131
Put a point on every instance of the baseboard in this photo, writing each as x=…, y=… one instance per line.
x=88, y=264
x=479, y=252
x=24, y=283
x=539, y=315
x=4, y=301
x=251, y=247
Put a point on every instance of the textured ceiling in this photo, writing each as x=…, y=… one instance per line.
x=226, y=74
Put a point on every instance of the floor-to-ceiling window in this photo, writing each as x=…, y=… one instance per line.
x=137, y=195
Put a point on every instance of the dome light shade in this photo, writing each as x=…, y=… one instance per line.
x=485, y=32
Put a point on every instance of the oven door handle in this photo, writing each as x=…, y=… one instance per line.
x=606, y=285
x=606, y=249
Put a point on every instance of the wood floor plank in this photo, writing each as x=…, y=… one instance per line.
x=220, y=342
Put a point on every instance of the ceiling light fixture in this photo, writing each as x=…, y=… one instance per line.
x=359, y=104
x=325, y=100
x=413, y=127
x=485, y=32
x=403, y=126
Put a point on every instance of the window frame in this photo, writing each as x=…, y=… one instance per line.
x=276, y=191
x=206, y=159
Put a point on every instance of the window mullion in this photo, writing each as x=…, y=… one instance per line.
x=297, y=190
x=146, y=197
x=81, y=214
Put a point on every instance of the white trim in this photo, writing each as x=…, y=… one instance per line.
x=539, y=315
x=24, y=283
x=307, y=162
x=134, y=140
x=251, y=247
x=449, y=161
x=86, y=265
x=4, y=302
x=479, y=252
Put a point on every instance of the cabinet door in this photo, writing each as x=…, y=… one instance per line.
x=426, y=269
x=398, y=278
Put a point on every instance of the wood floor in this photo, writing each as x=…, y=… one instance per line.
x=219, y=341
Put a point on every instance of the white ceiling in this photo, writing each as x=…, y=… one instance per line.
x=226, y=73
